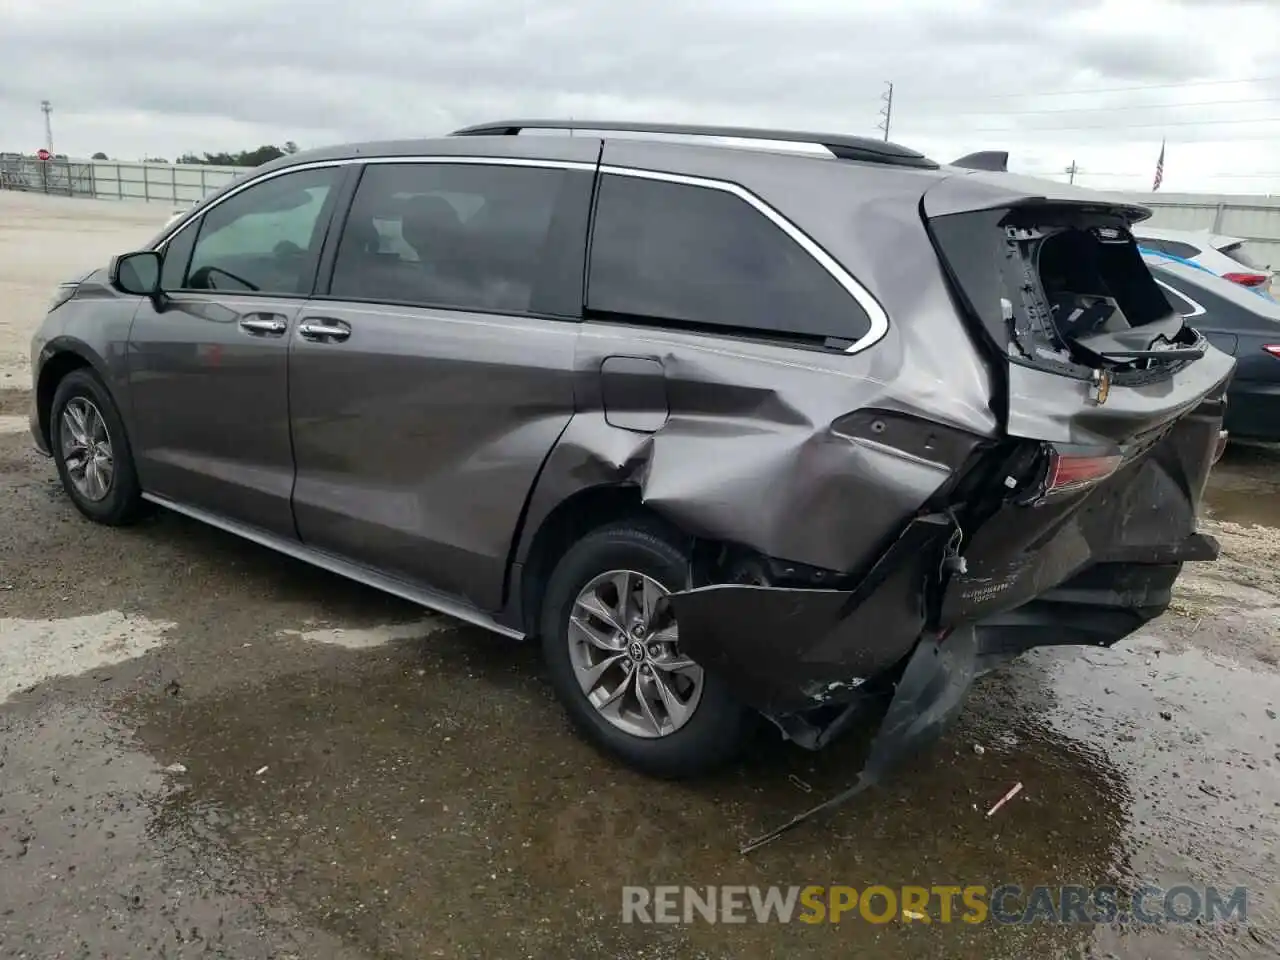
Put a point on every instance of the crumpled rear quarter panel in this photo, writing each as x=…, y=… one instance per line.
x=747, y=454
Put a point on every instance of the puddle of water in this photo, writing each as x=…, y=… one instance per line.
x=32, y=651
x=1244, y=487
x=1195, y=737
x=81, y=874
x=444, y=773
x=365, y=638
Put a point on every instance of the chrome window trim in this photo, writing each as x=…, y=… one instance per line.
x=879, y=320
x=875, y=313
x=348, y=161
x=1196, y=309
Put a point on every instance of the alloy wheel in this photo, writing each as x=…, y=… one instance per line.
x=624, y=647
x=86, y=448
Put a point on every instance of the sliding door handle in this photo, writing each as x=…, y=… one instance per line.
x=324, y=330
x=264, y=324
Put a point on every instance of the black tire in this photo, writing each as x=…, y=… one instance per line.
x=719, y=727
x=123, y=503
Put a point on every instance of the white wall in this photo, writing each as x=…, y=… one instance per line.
x=1255, y=219
x=181, y=184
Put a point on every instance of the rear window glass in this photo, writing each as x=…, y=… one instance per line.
x=1238, y=253
x=1172, y=247
x=701, y=257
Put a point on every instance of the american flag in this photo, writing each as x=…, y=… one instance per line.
x=1159, y=170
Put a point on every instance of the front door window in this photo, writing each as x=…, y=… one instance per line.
x=265, y=239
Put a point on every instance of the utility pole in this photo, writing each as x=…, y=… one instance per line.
x=1071, y=172
x=886, y=112
x=47, y=109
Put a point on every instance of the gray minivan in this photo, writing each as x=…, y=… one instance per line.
x=737, y=423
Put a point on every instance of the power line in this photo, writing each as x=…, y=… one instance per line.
x=1068, y=93
x=1104, y=173
x=1126, y=126
x=1109, y=109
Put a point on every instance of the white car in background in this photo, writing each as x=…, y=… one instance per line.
x=1225, y=256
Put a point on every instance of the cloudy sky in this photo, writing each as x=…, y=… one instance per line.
x=162, y=77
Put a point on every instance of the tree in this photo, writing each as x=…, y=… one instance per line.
x=245, y=158
x=100, y=156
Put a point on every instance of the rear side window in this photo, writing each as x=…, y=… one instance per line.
x=703, y=258
x=491, y=238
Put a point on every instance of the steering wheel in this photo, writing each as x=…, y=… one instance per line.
x=206, y=274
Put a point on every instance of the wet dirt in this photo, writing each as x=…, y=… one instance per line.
x=250, y=758
x=1246, y=485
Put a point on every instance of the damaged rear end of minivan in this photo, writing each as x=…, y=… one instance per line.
x=1068, y=528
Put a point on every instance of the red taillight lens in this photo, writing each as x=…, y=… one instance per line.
x=1247, y=279
x=1068, y=472
x=1273, y=349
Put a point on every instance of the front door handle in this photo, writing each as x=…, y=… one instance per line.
x=264, y=324
x=324, y=330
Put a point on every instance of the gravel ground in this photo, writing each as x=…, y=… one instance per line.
x=210, y=750
x=45, y=240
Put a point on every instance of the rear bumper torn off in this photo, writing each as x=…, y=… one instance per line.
x=786, y=650
x=799, y=656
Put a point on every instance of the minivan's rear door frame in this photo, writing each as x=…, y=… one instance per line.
x=480, y=567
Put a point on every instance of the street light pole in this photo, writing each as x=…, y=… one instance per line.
x=47, y=109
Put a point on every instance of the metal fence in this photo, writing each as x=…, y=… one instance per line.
x=1255, y=219
x=180, y=184
x=65, y=177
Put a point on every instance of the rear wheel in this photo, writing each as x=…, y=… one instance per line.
x=612, y=648
x=87, y=438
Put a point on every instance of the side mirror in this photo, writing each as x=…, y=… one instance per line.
x=136, y=273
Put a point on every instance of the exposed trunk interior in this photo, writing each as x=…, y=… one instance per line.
x=1104, y=306
x=1064, y=289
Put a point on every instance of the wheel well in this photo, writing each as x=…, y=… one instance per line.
x=51, y=374
x=564, y=526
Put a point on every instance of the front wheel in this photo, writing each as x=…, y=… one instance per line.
x=612, y=648
x=91, y=451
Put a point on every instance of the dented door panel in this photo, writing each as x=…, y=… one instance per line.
x=633, y=393
x=750, y=453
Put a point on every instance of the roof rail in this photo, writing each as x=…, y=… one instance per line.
x=840, y=145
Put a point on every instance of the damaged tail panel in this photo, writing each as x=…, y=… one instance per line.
x=1069, y=528
x=1018, y=461
x=1117, y=402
